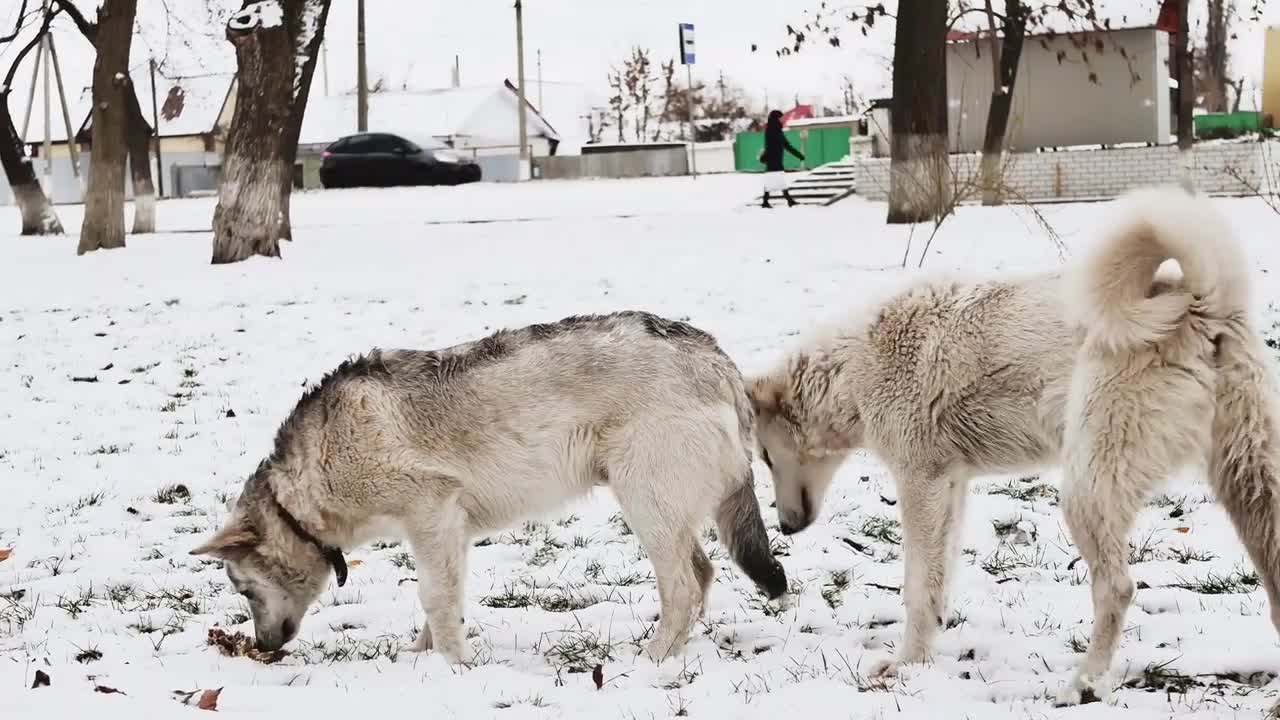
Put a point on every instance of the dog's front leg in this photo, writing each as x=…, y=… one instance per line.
x=931, y=505
x=440, y=551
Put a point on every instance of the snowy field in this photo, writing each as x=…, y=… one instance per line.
x=139, y=387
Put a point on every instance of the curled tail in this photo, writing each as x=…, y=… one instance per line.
x=1118, y=298
x=1244, y=462
x=742, y=531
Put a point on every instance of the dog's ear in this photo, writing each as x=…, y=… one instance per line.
x=233, y=540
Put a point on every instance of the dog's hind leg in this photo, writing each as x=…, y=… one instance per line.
x=1099, y=522
x=663, y=523
x=932, y=508
x=705, y=572
x=440, y=542
x=1244, y=461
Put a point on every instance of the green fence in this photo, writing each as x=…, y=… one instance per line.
x=1227, y=124
x=819, y=145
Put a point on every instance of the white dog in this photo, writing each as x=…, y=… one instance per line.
x=444, y=445
x=1119, y=374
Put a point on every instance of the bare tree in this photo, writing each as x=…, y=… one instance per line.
x=1182, y=70
x=117, y=127
x=918, y=169
x=1004, y=58
x=618, y=104
x=139, y=144
x=38, y=215
x=639, y=84
x=1016, y=19
x=276, y=43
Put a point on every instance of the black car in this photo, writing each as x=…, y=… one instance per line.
x=386, y=160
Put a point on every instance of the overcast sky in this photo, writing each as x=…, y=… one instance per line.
x=413, y=42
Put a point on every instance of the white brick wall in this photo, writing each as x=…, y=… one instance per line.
x=1220, y=168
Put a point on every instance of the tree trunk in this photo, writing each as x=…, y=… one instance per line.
x=1215, y=60
x=1015, y=30
x=276, y=43
x=144, y=191
x=919, y=171
x=1186, y=84
x=103, y=226
x=1186, y=99
x=38, y=216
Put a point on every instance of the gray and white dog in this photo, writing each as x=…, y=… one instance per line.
x=1118, y=372
x=441, y=446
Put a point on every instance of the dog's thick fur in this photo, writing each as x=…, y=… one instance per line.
x=1119, y=373
x=441, y=446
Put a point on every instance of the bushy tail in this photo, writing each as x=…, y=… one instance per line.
x=1244, y=463
x=742, y=531
x=1117, y=298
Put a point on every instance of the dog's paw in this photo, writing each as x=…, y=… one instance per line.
x=423, y=642
x=884, y=670
x=1079, y=691
x=784, y=602
x=660, y=651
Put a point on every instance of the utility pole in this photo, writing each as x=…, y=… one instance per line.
x=523, y=121
x=362, y=73
x=540, y=108
x=687, y=58
x=31, y=94
x=155, y=130
x=324, y=64
x=48, y=115
x=66, y=112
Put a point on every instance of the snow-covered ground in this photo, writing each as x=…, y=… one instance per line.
x=139, y=387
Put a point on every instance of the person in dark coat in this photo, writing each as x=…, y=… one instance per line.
x=775, y=142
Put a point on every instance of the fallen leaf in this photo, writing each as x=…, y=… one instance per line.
x=5, y=553
x=209, y=699
x=354, y=563
x=42, y=680
x=1183, y=530
x=108, y=690
x=597, y=675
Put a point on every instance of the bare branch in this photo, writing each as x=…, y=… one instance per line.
x=44, y=28
x=17, y=26
x=88, y=29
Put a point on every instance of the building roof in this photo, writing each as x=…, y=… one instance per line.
x=483, y=115
x=187, y=106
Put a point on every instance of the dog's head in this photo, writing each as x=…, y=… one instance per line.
x=279, y=574
x=802, y=451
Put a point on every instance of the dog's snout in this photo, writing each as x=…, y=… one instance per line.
x=269, y=643
x=272, y=638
